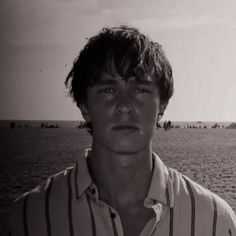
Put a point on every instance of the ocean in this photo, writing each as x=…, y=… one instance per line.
x=74, y=124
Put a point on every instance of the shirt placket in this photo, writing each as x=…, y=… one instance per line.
x=150, y=228
x=114, y=218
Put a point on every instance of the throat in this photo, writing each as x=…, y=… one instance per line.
x=124, y=199
x=134, y=219
x=122, y=180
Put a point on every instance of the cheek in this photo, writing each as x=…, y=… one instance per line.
x=99, y=114
x=150, y=119
x=150, y=110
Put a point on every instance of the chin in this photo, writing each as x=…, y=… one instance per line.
x=125, y=147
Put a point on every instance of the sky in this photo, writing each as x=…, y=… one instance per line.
x=40, y=39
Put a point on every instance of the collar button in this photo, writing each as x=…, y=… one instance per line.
x=113, y=215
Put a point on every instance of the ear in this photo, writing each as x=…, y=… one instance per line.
x=159, y=117
x=84, y=111
x=162, y=108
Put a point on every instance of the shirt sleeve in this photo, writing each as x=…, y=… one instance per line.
x=225, y=220
x=13, y=224
x=5, y=230
x=231, y=223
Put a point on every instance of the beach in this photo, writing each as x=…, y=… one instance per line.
x=30, y=155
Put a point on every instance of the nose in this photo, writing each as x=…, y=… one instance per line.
x=125, y=104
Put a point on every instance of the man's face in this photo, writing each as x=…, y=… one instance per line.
x=123, y=113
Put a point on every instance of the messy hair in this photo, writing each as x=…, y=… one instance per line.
x=126, y=49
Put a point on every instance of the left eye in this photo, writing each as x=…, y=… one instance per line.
x=107, y=90
x=142, y=90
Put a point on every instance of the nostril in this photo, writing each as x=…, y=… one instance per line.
x=124, y=109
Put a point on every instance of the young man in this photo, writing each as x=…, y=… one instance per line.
x=122, y=83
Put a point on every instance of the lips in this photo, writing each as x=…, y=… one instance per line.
x=125, y=127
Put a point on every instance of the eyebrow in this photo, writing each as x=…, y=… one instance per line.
x=114, y=82
x=145, y=82
x=106, y=82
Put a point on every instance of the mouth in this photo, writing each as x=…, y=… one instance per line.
x=130, y=128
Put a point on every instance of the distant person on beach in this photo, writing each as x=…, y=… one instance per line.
x=122, y=83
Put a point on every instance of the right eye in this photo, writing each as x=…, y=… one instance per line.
x=106, y=90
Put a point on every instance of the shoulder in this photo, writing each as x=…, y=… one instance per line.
x=55, y=184
x=31, y=206
x=58, y=182
x=225, y=215
x=205, y=204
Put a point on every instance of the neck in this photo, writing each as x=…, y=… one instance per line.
x=122, y=179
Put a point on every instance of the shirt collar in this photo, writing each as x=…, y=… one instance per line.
x=161, y=186
x=82, y=175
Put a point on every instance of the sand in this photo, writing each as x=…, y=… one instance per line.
x=30, y=155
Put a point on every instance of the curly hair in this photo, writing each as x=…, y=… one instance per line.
x=132, y=54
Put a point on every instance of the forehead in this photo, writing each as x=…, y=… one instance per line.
x=107, y=77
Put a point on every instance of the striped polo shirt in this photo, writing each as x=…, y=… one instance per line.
x=68, y=204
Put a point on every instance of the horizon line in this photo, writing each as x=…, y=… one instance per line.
x=70, y=120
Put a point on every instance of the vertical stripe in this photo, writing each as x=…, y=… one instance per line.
x=167, y=196
x=171, y=212
x=25, y=215
x=47, y=198
x=115, y=233
x=92, y=216
x=171, y=221
x=70, y=218
x=193, y=207
x=214, y=218
x=9, y=233
x=76, y=181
